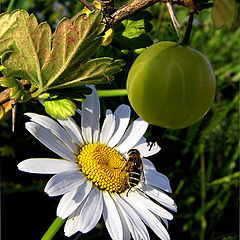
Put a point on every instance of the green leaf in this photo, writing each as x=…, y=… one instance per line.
x=31, y=42
x=7, y=23
x=95, y=71
x=17, y=90
x=1, y=67
x=73, y=45
x=50, y=64
x=131, y=33
x=223, y=12
x=77, y=93
x=62, y=62
x=59, y=107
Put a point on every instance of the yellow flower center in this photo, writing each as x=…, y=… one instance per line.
x=104, y=166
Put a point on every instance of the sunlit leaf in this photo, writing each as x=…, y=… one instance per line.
x=81, y=40
x=60, y=107
x=54, y=61
x=5, y=109
x=31, y=42
x=95, y=71
x=223, y=12
x=7, y=23
x=62, y=62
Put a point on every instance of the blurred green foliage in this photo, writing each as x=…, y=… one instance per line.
x=202, y=161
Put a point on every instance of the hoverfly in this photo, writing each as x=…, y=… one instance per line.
x=134, y=168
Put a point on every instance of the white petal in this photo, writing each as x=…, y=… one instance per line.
x=138, y=198
x=47, y=165
x=71, y=225
x=122, y=117
x=161, y=197
x=133, y=134
x=165, y=222
x=133, y=217
x=47, y=138
x=145, y=150
x=71, y=200
x=126, y=228
x=107, y=128
x=157, y=179
x=152, y=221
x=73, y=130
x=79, y=111
x=54, y=128
x=111, y=217
x=148, y=165
x=91, y=211
x=90, y=117
x=132, y=230
x=64, y=182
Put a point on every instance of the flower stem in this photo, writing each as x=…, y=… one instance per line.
x=58, y=222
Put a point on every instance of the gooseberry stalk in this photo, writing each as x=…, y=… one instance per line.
x=187, y=35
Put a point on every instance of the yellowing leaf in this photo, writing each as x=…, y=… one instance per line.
x=60, y=108
x=108, y=36
x=5, y=109
x=223, y=12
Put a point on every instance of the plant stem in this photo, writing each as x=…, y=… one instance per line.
x=112, y=93
x=203, y=192
x=186, y=38
x=129, y=9
x=90, y=6
x=58, y=222
x=10, y=6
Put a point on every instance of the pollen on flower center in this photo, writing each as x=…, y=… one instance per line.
x=104, y=166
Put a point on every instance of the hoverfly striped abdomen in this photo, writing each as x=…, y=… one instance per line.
x=134, y=177
x=134, y=168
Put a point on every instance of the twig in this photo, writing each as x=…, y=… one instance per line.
x=88, y=5
x=130, y=9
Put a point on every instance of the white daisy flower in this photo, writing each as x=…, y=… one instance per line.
x=95, y=177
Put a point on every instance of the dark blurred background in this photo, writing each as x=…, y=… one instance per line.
x=209, y=148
